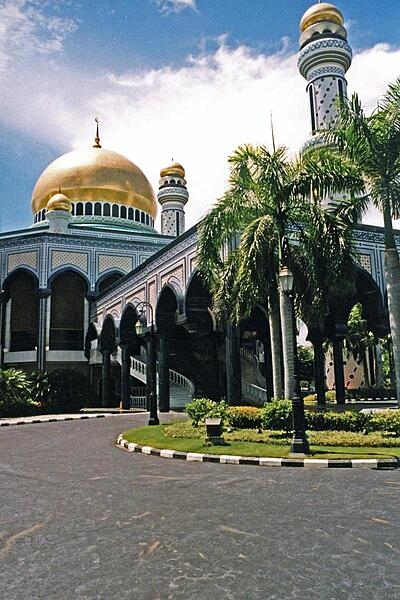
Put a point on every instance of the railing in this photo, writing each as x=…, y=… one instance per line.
x=138, y=400
x=182, y=381
x=139, y=370
x=254, y=393
x=250, y=356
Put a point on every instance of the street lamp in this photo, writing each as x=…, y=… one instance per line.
x=151, y=377
x=299, y=444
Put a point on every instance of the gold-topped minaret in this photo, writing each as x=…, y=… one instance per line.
x=325, y=56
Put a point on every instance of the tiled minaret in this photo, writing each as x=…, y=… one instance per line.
x=172, y=195
x=325, y=57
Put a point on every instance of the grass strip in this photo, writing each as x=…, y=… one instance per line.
x=154, y=436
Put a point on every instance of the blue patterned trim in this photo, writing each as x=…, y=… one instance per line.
x=331, y=43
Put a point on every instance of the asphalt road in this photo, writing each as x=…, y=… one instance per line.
x=82, y=519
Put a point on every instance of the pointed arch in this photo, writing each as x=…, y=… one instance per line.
x=108, y=334
x=197, y=305
x=67, y=310
x=21, y=290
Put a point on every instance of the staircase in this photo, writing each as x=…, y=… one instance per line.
x=181, y=388
x=253, y=382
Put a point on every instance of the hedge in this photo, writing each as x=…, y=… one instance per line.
x=277, y=415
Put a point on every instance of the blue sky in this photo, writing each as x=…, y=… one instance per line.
x=182, y=79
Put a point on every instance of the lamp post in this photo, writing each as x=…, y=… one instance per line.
x=299, y=444
x=151, y=377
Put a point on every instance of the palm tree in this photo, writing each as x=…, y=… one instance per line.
x=373, y=144
x=240, y=239
x=325, y=283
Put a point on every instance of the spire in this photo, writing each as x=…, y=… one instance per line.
x=272, y=133
x=97, y=138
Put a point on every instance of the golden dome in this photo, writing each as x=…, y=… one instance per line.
x=174, y=169
x=321, y=12
x=59, y=202
x=95, y=175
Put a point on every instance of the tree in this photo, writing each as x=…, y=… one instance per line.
x=269, y=196
x=372, y=143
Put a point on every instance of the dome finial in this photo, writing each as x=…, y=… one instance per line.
x=97, y=138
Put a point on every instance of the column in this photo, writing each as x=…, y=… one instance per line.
x=288, y=342
x=3, y=305
x=7, y=326
x=315, y=338
x=233, y=367
x=339, y=335
x=106, y=379
x=125, y=376
x=42, y=329
x=163, y=374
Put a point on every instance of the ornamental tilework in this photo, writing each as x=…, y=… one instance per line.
x=177, y=272
x=324, y=44
x=364, y=260
x=137, y=295
x=76, y=259
x=19, y=259
x=193, y=264
x=114, y=261
x=152, y=293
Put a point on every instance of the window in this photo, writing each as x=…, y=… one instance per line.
x=97, y=208
x=24, y=318
x=311, y=94
x=67, y=312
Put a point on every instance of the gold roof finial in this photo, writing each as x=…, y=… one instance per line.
x=97, y=138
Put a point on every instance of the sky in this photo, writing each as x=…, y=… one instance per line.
x=187, y=80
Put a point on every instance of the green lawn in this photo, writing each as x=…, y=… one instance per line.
x=154, y=436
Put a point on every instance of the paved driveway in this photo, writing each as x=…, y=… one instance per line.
x=81, y=519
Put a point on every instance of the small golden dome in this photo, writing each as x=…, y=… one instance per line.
x=174, y=169
x=321, y=12
x=95, y=175
x=59, y=202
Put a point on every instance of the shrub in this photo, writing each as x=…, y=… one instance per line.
x=65, y=391
x=222, y=410
x=330, y=396
x=277, y=415
x=336, y=421
x=310, y=399
x=352, y=439
x=388, y=420
x=198, y=409
x=40, y=388
x=15, y=394
x=245, y=417
x=184, y=429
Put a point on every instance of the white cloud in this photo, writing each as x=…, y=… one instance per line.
x=174, y=6
x=29, y=27
x=196, y=114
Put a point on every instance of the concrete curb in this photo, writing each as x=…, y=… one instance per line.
x=51, y=419
x=352, y=463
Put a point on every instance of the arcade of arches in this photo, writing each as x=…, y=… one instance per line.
x=229, y=361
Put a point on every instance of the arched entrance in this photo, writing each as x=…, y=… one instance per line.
x=20, y=322
x=68, y=311
x=169, y=348
x=107, y=347
x=129, y=344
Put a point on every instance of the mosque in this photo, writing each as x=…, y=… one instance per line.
x=71, y=284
